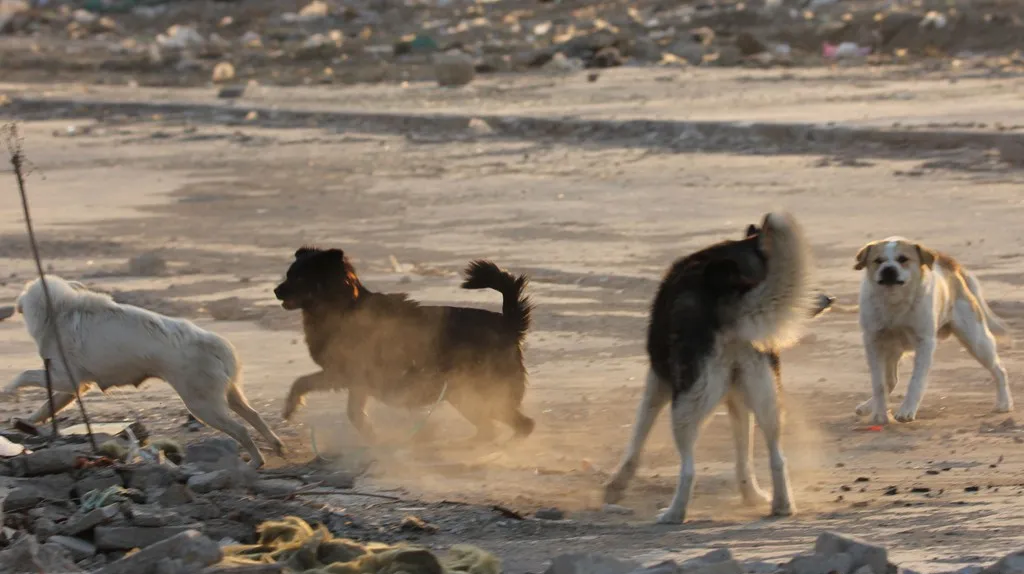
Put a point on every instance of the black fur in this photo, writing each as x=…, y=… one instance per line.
x=687, y=313
x=402, y=353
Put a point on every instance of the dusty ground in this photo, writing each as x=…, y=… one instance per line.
x=594, y=224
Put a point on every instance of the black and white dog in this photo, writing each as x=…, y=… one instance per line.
x=718, y=321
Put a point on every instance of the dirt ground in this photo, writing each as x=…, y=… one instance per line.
x=594, y=224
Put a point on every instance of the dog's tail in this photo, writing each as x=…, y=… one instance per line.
x=770, y=315
x=995, y=324
x=516, y=306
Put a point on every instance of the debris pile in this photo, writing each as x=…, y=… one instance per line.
x=139, y=507
x=184, y=43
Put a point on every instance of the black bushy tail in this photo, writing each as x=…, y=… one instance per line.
x=516, y=305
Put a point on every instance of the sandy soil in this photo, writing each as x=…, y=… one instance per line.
x=594, y=226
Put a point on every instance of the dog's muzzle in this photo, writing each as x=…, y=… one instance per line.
x=889, y=276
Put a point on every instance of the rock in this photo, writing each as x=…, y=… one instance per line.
x=128, y=537
x=818, y=563
x=866, y=570
x=315, y=10
x=1011, y=151
x=251, y=40
x=453, y=69
x=831, y=543
x=221, y=528
x=688, y=50
x=174, y=495
x=189, y=546
x=580, y=563
x=549, y=514
x=561, y=64
x=317, y=47
x=77, y=548
x=749, y=45
x=97, y=480
x=152, y=516
x=713, y=557
x=27, y=556
x=44, y=528
x=607, y=58
x=415, y=44
x=84, y=522
x=646, y=50
x=247, y=569
x=147, y=265
x=666, y=567
x=608, y=508
x=223, y=72
x=200, y=510
x=180, y=38
x=276, y=486
x=1010, y=564
x=231, y=92
x=704, y=35
x=6, y=311
x=727, y=57
x=212, y=451
x=728, y=566
x=53, y=460
x=211, y=481
x=148, y=476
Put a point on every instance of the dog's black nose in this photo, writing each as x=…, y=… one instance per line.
x=277, y=291
x=889, y=276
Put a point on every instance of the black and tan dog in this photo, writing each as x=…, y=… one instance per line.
x=386, y=346
x=717, y=323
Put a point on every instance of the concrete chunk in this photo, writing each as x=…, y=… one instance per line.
x=1010, y=564
x=48, y=461
x=83, y=523
x=190, y=547
x=99, y=480
x=27, y=556
x=863, y=553
x=841, y=563
x=128, y=537
x=211, y=481
x=78, y=549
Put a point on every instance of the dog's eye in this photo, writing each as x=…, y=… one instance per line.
x=902, y=259
x=879, y=261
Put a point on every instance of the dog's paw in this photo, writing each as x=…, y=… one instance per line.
x=613, y=493
x=1004, y=406
x=865, y=408
x=670, y=516
x=881, y=418
x=783, y=508
x=754, y=496
x=906, y=414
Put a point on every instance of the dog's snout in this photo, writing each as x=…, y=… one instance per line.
x=888, y=275
x=278, y=291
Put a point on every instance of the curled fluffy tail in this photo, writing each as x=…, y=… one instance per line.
x=770, y=315
x=516, y=306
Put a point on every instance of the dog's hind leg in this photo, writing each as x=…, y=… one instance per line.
x=61, y=401
x=238, y=403
x=972, y=333
x=657, y=394
x=742, y=432
x=522, y=425
x=213, y=411
x=761, y=390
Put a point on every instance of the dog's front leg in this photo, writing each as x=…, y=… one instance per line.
x=875, y=350
x=919, y=380
x=357, y=412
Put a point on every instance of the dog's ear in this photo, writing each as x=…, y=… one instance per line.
x=336, y=256
x=752, y=230
x=305, y=251
x=862, y=257
x=927, y=256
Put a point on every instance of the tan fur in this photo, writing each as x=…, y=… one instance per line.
x=911, y=297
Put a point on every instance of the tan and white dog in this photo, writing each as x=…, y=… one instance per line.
x=910, y=298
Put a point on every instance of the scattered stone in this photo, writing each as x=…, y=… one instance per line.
x=223, y=72
x=580, y=563
x=608, y=57
x=819, y=563
x=210, y=481
x=315, y=10
x=44, y=528
x=561, y=64
x=53, y=460
x=276, y=487
x=6, y=312
x=180, y=38
x=749, y=45
x=174, y=495
x=128, y=537
x=689, y=51
x=415, y=523
x=480, y=127
x=212, y=451
x=146, y=477
x=97, y=480
x=148, y=264
x=153, y=516
x=30, y=493
x=666, y=567
x=549, y=514
x=27, y=556
x=1010, y=564
x=189, y=546
x=317, y=47
x=231, y=92
x=77, y=548
x=616, y=509
x=85, y=522
x=453, y=69
x=863, y=553
x=228, y=309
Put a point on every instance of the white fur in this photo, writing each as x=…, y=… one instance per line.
x=738, y=372
x=110, y=345
x=913, y=316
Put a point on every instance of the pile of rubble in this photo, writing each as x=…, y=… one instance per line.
x=833, y=554
x=328, y=41
x=66, y=509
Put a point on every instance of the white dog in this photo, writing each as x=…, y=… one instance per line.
x=910, y=298
x=110, y=345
